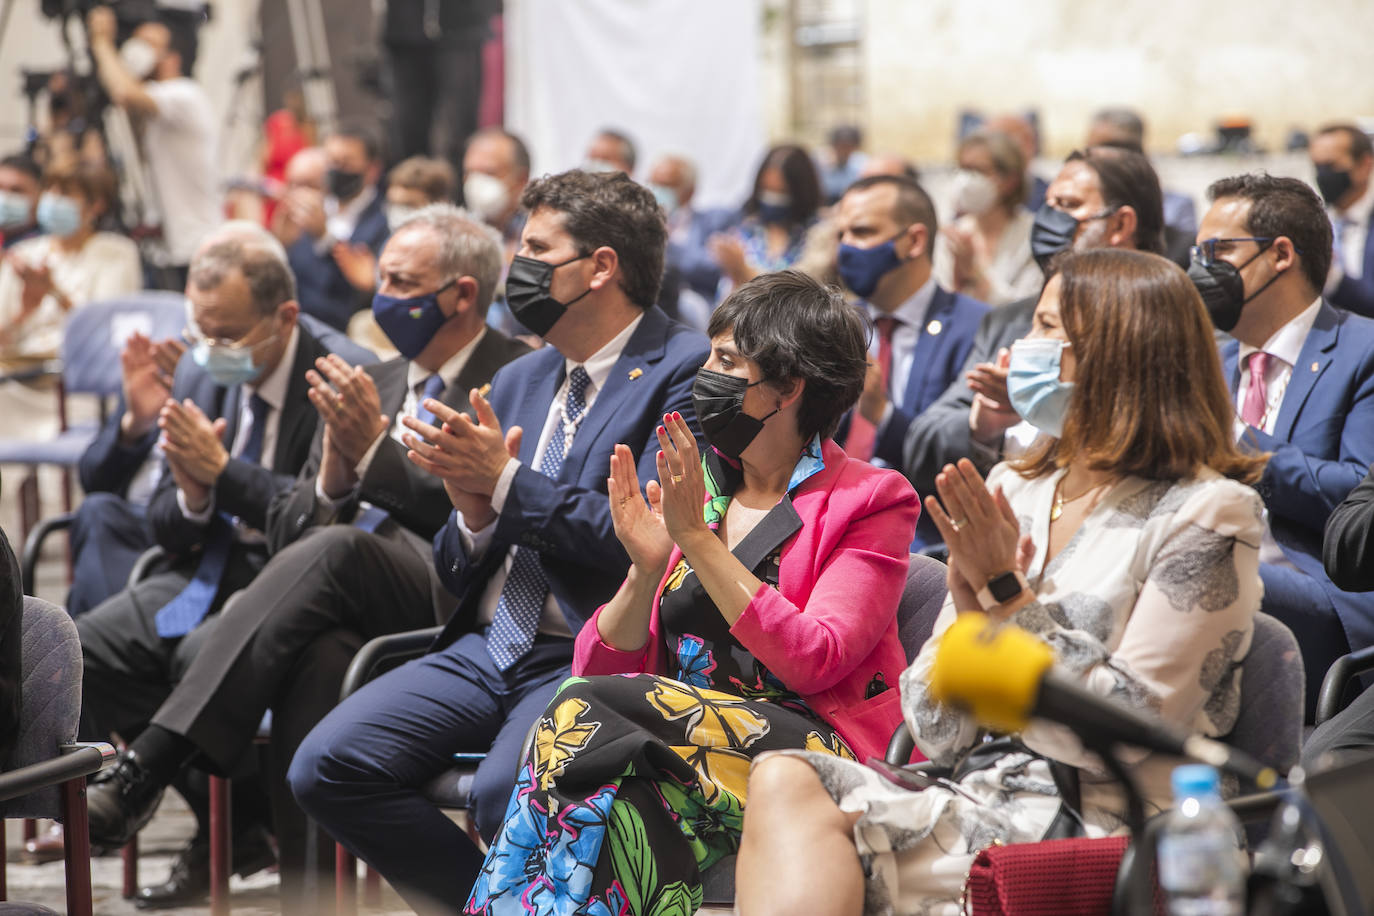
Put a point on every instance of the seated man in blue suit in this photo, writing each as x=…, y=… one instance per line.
x=1103, y=197
x=529, y=548
x=1303, y=377
x=350, y=213
x=1344, y=161
x=118, y=471
x=923, y=332
x=673, y=179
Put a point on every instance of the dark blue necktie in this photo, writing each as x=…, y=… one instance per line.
x=370, y=517
x=522, y=597
x=183, y=613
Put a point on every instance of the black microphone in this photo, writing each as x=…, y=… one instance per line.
x=1004, y=676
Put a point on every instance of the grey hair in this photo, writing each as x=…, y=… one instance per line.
x=1126, y=122
x=468, y=247
x=246, y=247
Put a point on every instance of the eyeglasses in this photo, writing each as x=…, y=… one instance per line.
x=195, y=336
x=1206, y=253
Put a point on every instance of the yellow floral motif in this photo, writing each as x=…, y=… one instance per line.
x=719, y=770
x=679, y=573
x=815, y=741
x=714, y=719
x=559, y=737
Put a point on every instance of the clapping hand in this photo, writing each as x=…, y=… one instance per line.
x=682, y=481
x=638, y=523
x=992, y=413
x=358, y=265
x=467, y=455
x=348, y=402
x=146, y=370
x=980, y=529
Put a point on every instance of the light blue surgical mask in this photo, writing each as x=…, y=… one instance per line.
x=1033, y=384
x=666, y=197
x=226, y=366
x=58, y=215
x=14, y=210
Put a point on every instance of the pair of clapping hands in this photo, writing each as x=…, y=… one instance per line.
x=467, y=455
x=982, y=533
x=669, y=512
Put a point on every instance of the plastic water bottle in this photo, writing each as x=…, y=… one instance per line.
x=1201, y=864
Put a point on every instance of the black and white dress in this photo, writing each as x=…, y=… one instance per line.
x=1151, y=602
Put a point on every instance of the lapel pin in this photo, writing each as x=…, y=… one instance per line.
x=1315, y=367
x=935, y=327
x=636, y=373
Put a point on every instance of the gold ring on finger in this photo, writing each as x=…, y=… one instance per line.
x=959, y=523
x=677, y=478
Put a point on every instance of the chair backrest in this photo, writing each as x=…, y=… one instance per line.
x=95, y=335
x=922, y=599
x=50, y=707
x=1269, y=725
x=337, y=341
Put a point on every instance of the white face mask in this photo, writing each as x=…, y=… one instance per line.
x=973, y=193
x=138, y=57
x=485, y=196
x=397, y=214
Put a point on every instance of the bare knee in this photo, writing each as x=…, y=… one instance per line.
x=786, y=780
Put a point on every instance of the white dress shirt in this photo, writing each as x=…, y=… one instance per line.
x=271, y=389
x=1284, y=348
x=598, y=368
x=1351, y=227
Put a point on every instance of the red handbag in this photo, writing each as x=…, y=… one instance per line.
x=1074, y=877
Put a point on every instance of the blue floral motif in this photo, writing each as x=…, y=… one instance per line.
x=694, y=661
x=517, y=855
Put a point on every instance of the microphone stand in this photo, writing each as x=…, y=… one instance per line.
x=1140, y=891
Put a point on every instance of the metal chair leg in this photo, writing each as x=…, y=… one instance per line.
x=221, y=846
x=76, y=837
x=345, y=882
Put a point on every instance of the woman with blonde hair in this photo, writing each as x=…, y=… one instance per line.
x=1127, y=539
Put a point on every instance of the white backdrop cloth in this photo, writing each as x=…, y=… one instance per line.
x=674, y=75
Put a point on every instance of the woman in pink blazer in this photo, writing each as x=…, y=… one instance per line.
x=759, y=613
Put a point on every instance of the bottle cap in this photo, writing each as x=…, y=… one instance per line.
x=1196, y=780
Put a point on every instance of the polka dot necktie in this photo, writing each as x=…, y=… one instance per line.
x=522, y=597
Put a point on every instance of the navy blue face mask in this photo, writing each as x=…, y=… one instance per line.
x=861, y=268
x=410, y=322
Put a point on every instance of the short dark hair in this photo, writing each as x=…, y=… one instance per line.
x=800, y=176
x=431, y=177
x=846, y=133
x=21, y=162
x=519, y=152
x=362, y=131
x=627, y=146
x=610, y=209
x=913, y=205
x=1360, y=144
x=1284, y=207
x=1128, y=180
x=1128, y=125
x=795, y=328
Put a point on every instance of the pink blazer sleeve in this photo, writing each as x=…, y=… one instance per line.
x=592, y=656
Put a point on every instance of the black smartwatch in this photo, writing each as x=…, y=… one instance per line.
x=1001, y=589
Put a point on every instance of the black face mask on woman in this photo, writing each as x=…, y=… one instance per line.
x=718, y=400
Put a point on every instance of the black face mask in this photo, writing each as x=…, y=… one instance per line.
x=527, y=293
x=1333, y=183
x=343, y=185
x=718, y=400
x=1223, y=289
x=1052, y=232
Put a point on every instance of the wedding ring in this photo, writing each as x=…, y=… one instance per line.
x=677, y=478
x=959, y=523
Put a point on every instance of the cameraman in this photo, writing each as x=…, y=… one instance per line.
x=146, y=79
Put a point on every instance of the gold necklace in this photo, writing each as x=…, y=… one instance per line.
x=1057, y=507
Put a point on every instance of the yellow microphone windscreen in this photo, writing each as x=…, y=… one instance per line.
x=992, y=671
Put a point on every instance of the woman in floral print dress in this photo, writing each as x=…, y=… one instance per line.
x=765, y=620
x=1137, y=541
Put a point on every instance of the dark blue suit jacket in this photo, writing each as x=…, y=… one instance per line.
x=1323, y=443
x=568, y=520
x=109, y=466
x=690, y=256
x=321, y=287
x=936, y=363
x=1358, y=295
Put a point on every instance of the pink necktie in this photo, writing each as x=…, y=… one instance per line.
x=863, y=435
x=1256, y=395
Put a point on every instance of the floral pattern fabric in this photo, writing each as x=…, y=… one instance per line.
x=636, y=783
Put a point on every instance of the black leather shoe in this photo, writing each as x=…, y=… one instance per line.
x=189, y=882
x=120, y=800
